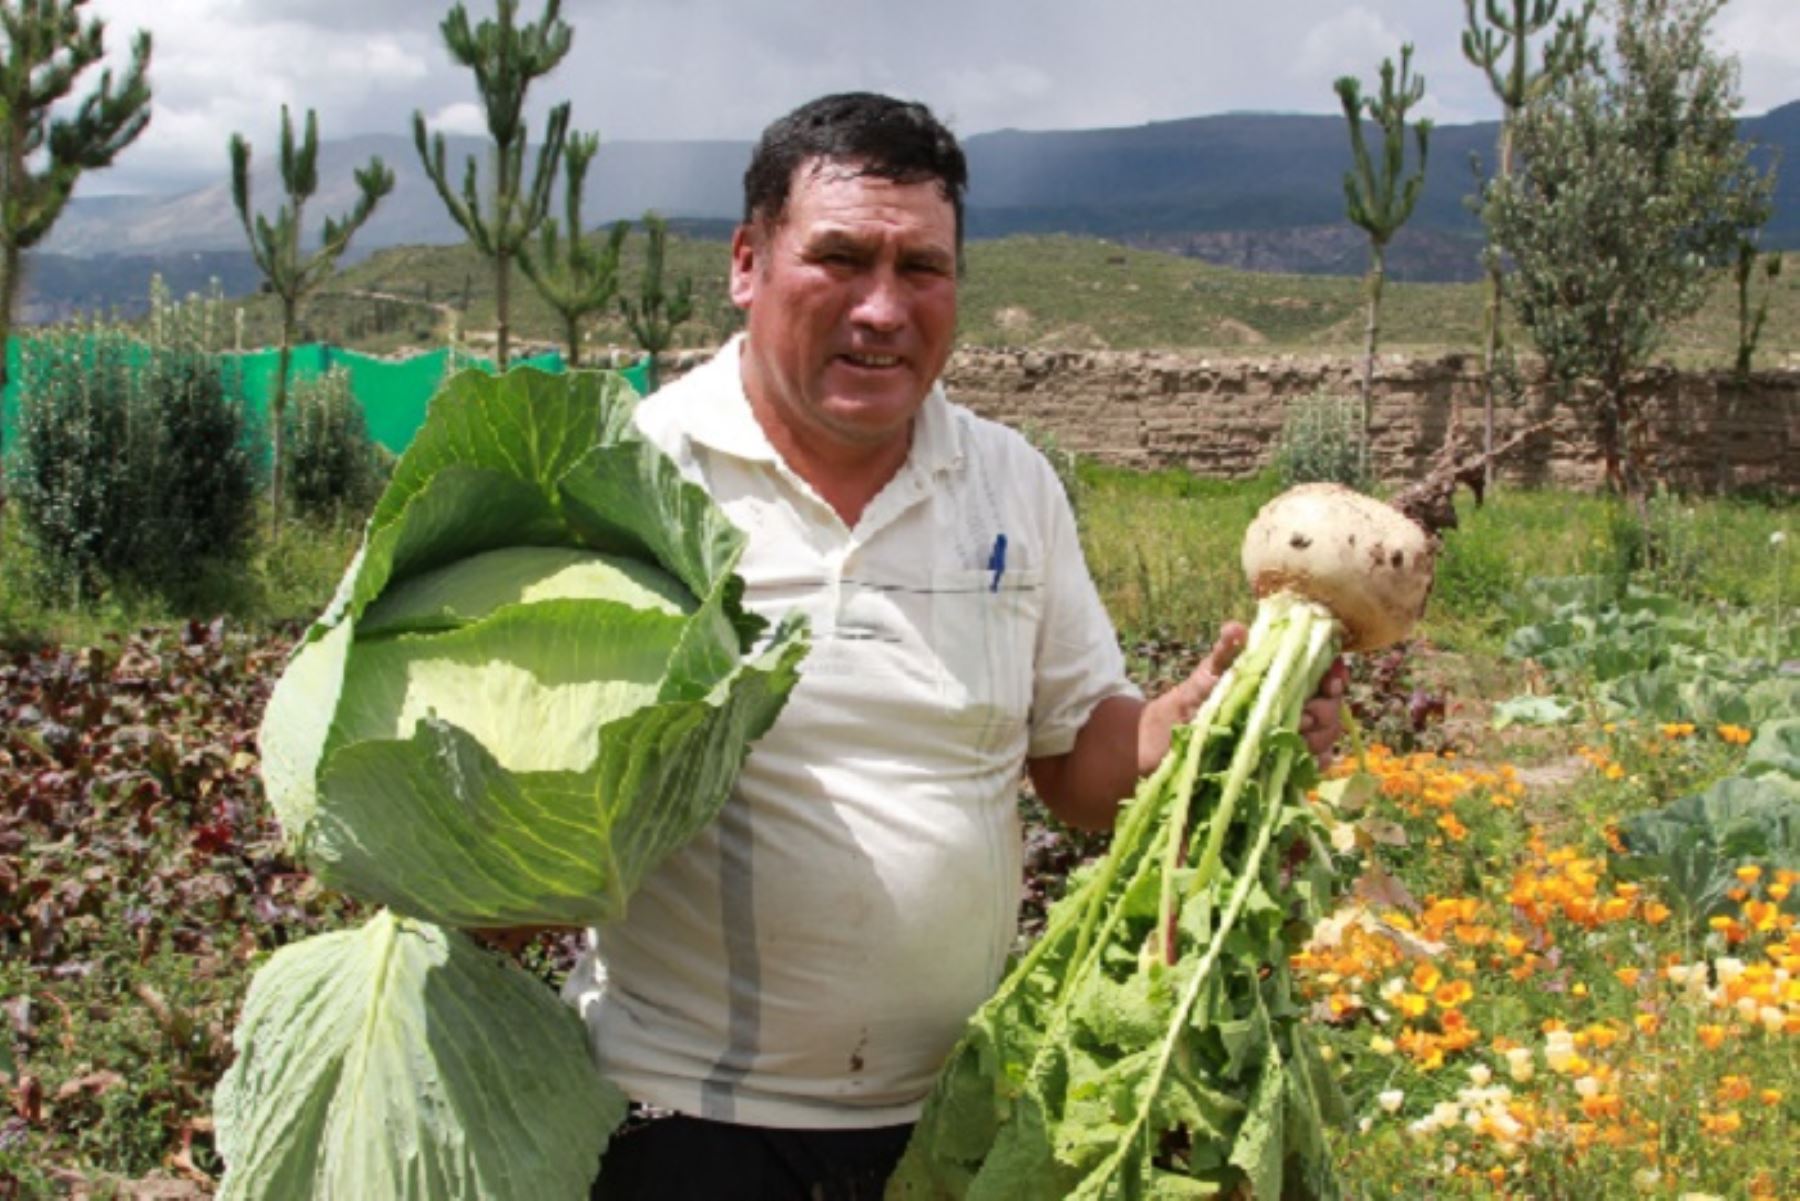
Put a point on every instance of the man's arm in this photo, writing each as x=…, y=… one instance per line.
x=1124, y=739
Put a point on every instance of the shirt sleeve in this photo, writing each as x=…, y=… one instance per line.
x=1078, y=663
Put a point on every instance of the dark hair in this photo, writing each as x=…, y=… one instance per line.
x=898, y=140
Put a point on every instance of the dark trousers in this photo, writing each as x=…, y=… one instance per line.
x=689, y=1159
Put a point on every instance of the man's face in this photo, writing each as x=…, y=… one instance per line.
x=850, y=298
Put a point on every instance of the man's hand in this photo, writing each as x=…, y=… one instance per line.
x=1321, y=720
x=1124, y=738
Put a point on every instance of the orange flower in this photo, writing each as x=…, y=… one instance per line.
x=1736, y=735
x=1628, y=976
x=1452, y=994
x=1656, y=913
x=1647, y=1023
x=1711, y=1036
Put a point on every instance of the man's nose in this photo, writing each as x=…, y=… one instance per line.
x=882, y=302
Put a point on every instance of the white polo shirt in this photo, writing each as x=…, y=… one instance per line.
x=811, y=957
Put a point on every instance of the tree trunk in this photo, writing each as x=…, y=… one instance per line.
x=1491, y=330
x=1377, y=266
x=652, y=374
x=502, y=294
x=279, y=415
x=9, y=297
x=572, y=334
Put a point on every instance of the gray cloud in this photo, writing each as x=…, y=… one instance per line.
x=723, y=68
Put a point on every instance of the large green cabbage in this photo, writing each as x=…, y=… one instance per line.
x=536, y=680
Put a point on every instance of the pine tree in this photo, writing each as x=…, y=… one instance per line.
x=1378, y=199
x=575, y=279
x=48, y=46
x=276, y=247
x=655, y=313
x=505, y=57
x=1502, y=50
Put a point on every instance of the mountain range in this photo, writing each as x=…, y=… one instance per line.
x=1252, y=190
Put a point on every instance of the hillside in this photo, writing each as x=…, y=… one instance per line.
x=1058, y=291
x=1253, y=190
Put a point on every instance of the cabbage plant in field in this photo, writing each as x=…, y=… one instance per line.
x=536, y=680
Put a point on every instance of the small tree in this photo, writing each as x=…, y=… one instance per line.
x=1631, y=189
x=505, y=57
x=1502, y=50
x=276, y=247
x=1752, y=317
x=47, y=48
x=1378, y=198
x=655, y=313
x=576, y=280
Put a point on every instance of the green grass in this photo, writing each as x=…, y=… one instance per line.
x=283, y=579
x=1163, y=549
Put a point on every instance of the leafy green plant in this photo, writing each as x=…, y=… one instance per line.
x=135, y=460
x=1322, y=439
x=334, y=469
x=1694, y=846
x=537, y=680
x=1146, y=1044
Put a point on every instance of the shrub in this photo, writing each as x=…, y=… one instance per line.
x=1321, y=441
x=334, y=470
x=134, y=461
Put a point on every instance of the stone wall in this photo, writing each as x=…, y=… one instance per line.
x=1222, y=416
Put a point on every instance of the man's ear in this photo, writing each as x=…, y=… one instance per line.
x=746, y=245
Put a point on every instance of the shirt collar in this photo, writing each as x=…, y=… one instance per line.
x=725, y=422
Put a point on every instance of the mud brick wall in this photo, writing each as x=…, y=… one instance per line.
x=1222, y=416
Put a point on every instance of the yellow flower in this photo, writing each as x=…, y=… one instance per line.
x=1711, y=1036
x=1749, y=873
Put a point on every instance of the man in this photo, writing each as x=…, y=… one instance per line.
x=790, y=982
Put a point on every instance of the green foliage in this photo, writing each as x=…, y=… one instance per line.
x=1644, y=654
x=134, y=462
x=1322, y=441
x=47, y=48
x=1150, y=1044
x=529, y=547
x=276, y=247
x=1502, y=51
x=505, y=58
x=1633, y=185
x=334, y=471
x=655, y=311
x=580, y=280
x=1695, y=845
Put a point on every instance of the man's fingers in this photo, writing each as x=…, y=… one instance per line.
x=1232, y=636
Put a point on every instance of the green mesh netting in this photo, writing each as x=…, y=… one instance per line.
x=393, y=392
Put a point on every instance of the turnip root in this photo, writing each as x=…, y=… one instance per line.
x=1150, y=1043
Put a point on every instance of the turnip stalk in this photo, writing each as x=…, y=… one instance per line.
x=1150, y=1043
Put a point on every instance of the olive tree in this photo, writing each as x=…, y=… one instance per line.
x=1631, y=188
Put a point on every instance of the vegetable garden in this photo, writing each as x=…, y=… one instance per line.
x=1568, y=831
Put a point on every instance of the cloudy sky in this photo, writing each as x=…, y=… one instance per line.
x=696, y=69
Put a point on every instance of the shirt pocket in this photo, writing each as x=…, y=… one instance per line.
x=985, y=639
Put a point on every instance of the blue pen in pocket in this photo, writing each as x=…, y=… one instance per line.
x=997, y=561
